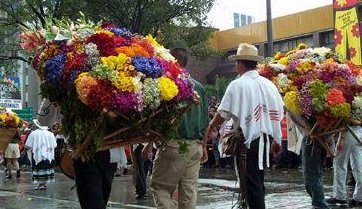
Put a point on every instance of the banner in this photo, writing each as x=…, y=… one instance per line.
x=10, y=94
x=347, y=33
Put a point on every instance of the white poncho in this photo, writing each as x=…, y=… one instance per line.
x=255, y=104
x=42, y=143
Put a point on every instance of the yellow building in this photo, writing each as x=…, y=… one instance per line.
x=314, y=27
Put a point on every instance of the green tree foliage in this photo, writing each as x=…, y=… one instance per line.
x=218, y=88
x=172, y=22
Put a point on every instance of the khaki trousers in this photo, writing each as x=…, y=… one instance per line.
x=172, y=170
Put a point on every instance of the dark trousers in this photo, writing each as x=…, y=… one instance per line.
x=313, y=154
x=140, y=174
x=94, y=180
x=254, y=176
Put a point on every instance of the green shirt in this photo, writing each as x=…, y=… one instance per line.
x=196, y=120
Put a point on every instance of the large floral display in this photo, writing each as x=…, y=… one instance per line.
x=111, y=84
x=317, y=86
x=9, y=124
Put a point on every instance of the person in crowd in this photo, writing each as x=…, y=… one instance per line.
x=140, y=172
x=176, y=170
x=56, y=129
x=312, y=163
x=12, y=154
x=41, y=144
x=256, y=107
x=347, y=148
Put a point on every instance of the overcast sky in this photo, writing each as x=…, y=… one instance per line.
x=221, y=15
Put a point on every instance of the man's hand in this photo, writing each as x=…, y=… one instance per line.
x=204, y=157
x=276, y=149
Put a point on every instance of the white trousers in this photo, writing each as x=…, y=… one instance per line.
x=353, y=151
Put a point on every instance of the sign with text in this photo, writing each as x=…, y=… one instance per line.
x=10, y=94
x=347, y=33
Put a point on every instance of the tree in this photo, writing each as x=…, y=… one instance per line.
x=173, y=22
x=15, y=15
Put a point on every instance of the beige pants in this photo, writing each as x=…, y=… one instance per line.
x=172, y=170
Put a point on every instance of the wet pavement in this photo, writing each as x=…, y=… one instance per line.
x=217, y=190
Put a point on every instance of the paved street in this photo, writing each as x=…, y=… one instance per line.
x=216, y=190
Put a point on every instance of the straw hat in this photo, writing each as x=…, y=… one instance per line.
x=246, y=52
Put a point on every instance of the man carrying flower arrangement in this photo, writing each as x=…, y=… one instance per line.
x=256, y=107
x=173, y=169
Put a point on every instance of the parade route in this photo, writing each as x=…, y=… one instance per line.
x=217, y=189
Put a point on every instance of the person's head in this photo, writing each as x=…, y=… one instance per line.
x=181, y=56
x=246, y=58
x=55, y=128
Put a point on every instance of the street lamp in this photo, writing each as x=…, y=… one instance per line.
x=269, y=25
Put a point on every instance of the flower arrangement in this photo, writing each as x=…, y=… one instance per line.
x=315, y=83
x=9, y=119
x=317, y=88
x=106, y=78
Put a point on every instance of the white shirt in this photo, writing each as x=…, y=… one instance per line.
x=255, y=104
x=42, y=143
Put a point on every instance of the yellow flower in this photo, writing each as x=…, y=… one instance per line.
x=125, y=82
x=301, y=46
x=305, y=66
x=109, y=33
x=116, y=62
x=284, y=61
x=168, y=88
x=153, y=40
x=291, y=101
x=278, y=56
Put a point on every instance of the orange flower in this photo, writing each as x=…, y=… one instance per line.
x=335, y=97
x=133, y=50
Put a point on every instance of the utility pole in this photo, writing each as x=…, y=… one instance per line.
x=269, y=25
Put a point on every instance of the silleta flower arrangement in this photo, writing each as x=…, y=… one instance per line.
x=9, y=119
x=317, y=86
x=111, y=84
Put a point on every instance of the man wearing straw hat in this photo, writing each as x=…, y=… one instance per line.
x=256, y=107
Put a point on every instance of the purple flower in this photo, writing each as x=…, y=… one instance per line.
x=326, y=76
x=127, y=101
x=292, y=66
x=121, y=32
x=305, y=100
x=184, y=89
x=147, y=66
x=54, y=69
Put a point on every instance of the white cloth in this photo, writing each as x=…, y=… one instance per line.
x=118, y=155
x=295, y=137
x=42, y=143
x=255, y=103
x=353, y=151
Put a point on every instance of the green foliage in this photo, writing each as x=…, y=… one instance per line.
x=218, y=88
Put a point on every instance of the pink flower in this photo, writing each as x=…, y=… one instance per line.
x=31, y=40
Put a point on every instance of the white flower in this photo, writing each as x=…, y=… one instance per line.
x=283, y=80
x=359, y=80
x=357, y=102
x=164, y=53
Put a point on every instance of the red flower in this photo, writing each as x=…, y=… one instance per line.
x=101, y=95
x=335, y=97
x=106, y=44
x=337, y=37
x=355, y=30
x=172, y=70
x=74, y=61
x=324, y=120
x=352, y=52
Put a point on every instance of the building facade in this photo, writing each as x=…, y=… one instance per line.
x=313, y=27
